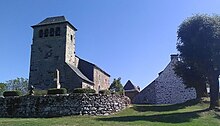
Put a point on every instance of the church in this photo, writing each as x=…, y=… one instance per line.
x=54, y=62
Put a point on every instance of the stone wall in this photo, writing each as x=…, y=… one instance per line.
x=62, y=105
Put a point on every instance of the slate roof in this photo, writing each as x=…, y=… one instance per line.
x=54, y=20
x=94, y=66
x=79, y=73
x=51, y=20
x=129, y=86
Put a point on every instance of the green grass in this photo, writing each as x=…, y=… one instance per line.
x=189, y=114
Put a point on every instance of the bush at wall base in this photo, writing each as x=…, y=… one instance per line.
x=12, y=93
x=40, y=92
x=105, y=92
x=83, y=90
x=55, y=91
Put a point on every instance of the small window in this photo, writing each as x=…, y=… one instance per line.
x=57, y=31
x=40, y=33
x=51, y=31
x=46, y=32
x=71, y=37
x=99, y=88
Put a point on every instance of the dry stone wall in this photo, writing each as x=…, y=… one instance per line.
x=62, y=105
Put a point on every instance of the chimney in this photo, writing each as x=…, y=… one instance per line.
x=174, y=56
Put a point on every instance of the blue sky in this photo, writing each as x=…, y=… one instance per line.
x=131, y=39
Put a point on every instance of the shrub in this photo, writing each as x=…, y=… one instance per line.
x=105, y=92
x=40, y=92
x=54, y=91
x=121, y=92
x=83, y=90
x=12, y=93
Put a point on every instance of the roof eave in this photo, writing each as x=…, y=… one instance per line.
x=38, y=25
x=90, y=82
x=102, y=71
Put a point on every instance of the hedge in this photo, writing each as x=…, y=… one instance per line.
x=105, y=92
x=40, y=92
x=12, y=93
x=83, y=90
x=55, y=91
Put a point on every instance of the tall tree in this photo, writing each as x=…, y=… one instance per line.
x=192, y=78
x=116, y=85
x=199, y=47
x=18, y=84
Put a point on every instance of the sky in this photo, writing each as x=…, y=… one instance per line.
x=131, y=39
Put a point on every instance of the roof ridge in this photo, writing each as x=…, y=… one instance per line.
x=55, y=19
x=129, y=85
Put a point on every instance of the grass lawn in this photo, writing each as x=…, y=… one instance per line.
x=137, y=115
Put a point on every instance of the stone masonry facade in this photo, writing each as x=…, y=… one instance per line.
x=62, y=105
x=168, y=88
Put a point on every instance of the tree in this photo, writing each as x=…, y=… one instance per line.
x=18, y=84
x=192, y=78
x=199, y=47
x=116, y=85
x=2, y=88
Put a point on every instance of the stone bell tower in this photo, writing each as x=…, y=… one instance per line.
x=53, y=47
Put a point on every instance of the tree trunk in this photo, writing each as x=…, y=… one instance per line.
x=214, y=91
x=205, y=93
x=201, y=91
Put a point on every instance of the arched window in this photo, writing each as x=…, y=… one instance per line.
x=51, y=31
x=40, y=33
x=46, y=31
x=57, y=31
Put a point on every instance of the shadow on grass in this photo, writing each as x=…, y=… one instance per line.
x=217, y=113
x=160, y=108
x=165, y=118
x=217, y=116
